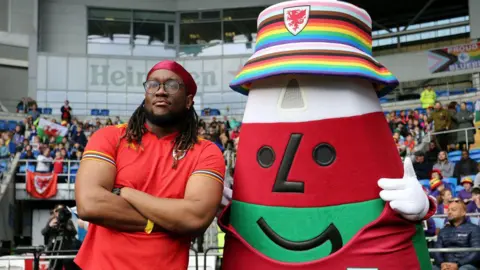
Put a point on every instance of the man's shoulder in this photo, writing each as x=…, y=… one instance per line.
x=471, y=226
x=115, y=130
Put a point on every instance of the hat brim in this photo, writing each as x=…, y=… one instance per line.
x=323, y=59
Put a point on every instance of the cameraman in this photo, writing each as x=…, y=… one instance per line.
x=60, y=223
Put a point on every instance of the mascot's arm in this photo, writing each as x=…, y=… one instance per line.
x=406, y=195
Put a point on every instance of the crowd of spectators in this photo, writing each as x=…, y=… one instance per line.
x=410, y=127
x=51, y=155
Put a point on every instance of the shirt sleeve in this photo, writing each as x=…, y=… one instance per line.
x=102, y=146
x=211, y=164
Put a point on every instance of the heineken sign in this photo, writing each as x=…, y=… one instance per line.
x=106, y=75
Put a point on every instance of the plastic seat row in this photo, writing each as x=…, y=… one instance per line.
x=450, y=183
x=8, y=125
x=440, y=93
x=40, y=110
x=470, y=107
x=100, y=112
x=455, y=156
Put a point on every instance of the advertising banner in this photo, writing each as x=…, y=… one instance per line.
x=455, y=58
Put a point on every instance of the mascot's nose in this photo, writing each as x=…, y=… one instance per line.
x=292, y=97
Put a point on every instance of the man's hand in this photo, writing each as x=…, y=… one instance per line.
x=53, y=222
x=406, y=195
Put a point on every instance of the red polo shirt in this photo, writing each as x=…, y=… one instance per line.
x=148, y=170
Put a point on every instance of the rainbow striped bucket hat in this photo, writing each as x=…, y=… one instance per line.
x=319, y=37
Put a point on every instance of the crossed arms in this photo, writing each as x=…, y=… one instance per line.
x=129, y=212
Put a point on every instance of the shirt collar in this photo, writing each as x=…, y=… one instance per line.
x=169, y=137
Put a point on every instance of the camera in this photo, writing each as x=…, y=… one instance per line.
x=64, y=215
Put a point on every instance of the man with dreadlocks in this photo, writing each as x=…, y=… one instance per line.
x=148, y=187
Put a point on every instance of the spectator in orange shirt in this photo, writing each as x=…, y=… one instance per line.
x=148, y=187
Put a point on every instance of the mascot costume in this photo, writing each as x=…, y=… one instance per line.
x=318, y=182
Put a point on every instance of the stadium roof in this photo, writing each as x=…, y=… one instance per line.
x=394, y=13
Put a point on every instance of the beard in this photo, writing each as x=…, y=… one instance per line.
x=168, y=120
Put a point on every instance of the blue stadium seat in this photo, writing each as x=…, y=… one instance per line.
x=3, y=125
x=442, y=93
x=451, y=183
x=95, y=112
x=456, y=92
x=12, y=124
x=40, y=110
x=471, y=90
x=439, y=223
x=455, y=153
x=425, y=183
x=47, y=111
x=383, y=100
x=105, y=112
x=459, y=188
x=474, y=151
x=475, y=156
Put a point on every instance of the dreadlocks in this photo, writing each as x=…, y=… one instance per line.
x=186, y=139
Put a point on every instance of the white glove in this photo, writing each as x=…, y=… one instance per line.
x=406, y=196
x=227, y=196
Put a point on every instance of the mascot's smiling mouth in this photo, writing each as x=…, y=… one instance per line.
x=330, y=233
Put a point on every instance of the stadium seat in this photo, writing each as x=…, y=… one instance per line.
x=439, y=223
x=95, y=112
x=475, y=156
x=458, y=189
x=451, y=183
x=454, y=154
x=456, y=92
x=442, y=93
x=425, y=183
x=12, y=124
x=40, y=110
x=474, y=151
x=471, y=90
x=105, y=112
x=47, y=111
x=454, y=159
x=3, y=125
x=474, y=220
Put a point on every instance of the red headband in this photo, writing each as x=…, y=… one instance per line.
x=176, y=68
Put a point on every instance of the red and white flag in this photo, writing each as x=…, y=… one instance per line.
x=42, y=185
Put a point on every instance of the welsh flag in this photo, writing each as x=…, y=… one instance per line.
x=477, y=113
x=46, y=129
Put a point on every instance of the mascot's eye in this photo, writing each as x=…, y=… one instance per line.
x=265, y=156
x=324, y=154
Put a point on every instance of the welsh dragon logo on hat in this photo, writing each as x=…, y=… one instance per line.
x=316, y=37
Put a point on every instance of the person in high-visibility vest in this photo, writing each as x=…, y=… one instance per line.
x=428, y=97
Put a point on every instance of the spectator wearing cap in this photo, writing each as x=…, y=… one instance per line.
x=474, y=205
x=465, y=167
x=466, y=194
x=421, y=166
x=443, y=165
x=458, y=233
x=436, y=187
